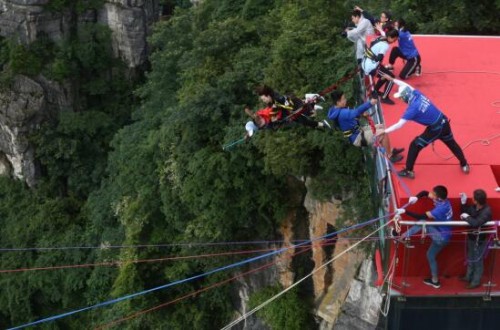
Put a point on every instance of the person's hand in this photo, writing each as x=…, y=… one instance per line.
x=358, y=8
x=463, y=198
x=378, y=26
x=380, y=132
x=386, y=77
x=464, y=216
x=400, y=211
x=412, y=200
x=373, y=101
x=423, y=193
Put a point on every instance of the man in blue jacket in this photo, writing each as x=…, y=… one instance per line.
x=407, y=51
x=348, y=121
x=437, y=126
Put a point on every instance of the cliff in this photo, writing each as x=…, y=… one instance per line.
x=27, y=101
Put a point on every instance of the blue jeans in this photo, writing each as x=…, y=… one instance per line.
x=438, y=243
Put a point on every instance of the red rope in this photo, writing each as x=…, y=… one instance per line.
x=135, y=261
x=144, y=311
x=339, y=82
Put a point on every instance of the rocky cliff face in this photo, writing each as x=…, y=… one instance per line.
x=344, y=292
x=27, y=102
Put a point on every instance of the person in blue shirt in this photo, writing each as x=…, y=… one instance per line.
x=437, y=126
x=407, y=51
x=348, y=121
x=440, y=235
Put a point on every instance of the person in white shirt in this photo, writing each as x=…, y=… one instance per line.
x=358, y=34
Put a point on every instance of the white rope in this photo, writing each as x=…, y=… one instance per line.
x=388, y=278
x=243, y=317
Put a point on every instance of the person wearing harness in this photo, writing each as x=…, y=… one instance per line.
x=421, y=110
x=440, y=235
x=279, y=110
x=407, y=51
x=476, y=215
x=371, y=63
x=358, y=34
x=348, y=121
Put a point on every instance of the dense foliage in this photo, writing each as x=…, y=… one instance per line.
x=159, y=175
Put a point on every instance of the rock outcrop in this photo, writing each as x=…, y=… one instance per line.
x=27, y=102
x=344, y=292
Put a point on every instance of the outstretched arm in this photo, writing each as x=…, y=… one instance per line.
x=396, y=81
x=249, y=112
x=396, y=126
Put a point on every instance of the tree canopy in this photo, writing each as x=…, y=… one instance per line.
x=146, y=167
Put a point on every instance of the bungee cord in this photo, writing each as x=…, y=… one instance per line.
x=265, y=303
x=216, y=270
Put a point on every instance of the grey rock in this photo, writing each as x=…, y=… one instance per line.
x=29, y=101
x=22, y=108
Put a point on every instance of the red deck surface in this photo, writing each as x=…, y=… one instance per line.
x=461, y=76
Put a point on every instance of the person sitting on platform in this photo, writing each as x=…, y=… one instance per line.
x=440, y=235
x=407, y=51
x=476, y=215
x=348, y=121
x=421, y=110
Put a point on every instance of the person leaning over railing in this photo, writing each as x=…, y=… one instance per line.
x=476, y=215
x=440, y=235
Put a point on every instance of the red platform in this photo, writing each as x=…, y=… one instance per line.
x=461, y=76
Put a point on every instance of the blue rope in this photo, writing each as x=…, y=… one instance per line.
x=237, y=264
x=229, y=145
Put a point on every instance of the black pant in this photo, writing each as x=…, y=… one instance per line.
x=306, y=121
x=381, y=82
x=410, y=65
x=441, y=131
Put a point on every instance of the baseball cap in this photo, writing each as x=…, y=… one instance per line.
x=403, y=93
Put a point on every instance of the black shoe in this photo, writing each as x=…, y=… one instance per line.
x=406, y=174
x=429, y=281
x=387, y=100
x=396, y=151
x=395, y=158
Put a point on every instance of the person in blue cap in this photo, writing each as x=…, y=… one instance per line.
x=437, y=126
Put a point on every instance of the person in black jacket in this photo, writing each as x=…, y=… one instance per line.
x=476, y=215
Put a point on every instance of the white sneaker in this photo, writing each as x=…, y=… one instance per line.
x=418, y=71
